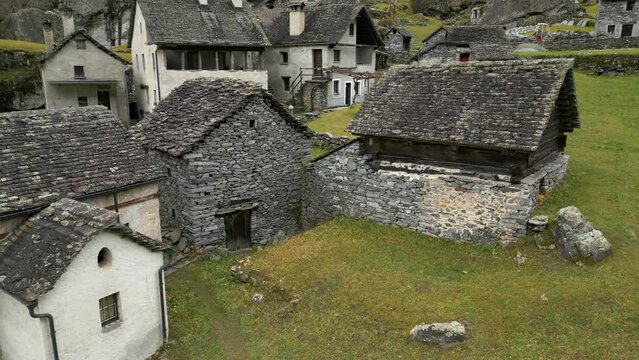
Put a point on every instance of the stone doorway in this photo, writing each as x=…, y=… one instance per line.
x=237, y=226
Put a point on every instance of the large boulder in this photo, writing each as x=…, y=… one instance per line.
x=528, y=12
x=442, y=334
x=577, y=239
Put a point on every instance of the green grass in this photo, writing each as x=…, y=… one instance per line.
x=317, y=151
x=420, y=33
x=15, y=45
x=13, y=73
x=335, y=122
x=364, y=286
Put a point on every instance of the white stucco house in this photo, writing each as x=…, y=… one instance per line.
x=322, y=52
x=80, y=72
x=85, y=154
x=75, y=284
x=177, y=40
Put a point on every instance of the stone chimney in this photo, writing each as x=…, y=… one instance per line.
x=297, y=18
x=237, y=3
x=49, y=41
x=68, y=21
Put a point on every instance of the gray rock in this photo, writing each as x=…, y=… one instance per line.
x=442, y=334
x=538, y=223
x=257, y=297
x=577, y=239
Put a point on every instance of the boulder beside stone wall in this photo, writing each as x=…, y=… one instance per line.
x=443, y=334
x=577, y=239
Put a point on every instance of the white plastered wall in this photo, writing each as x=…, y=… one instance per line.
x=74, y=302
x=21, y=337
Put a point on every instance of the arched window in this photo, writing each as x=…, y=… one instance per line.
x=104, y=258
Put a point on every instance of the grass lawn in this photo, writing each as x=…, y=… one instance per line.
x=15, y=45
x=364, y=286
x=335, y=122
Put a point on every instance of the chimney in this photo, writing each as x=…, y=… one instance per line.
x=68, y=24
x=297, y=18
x=237, y=3
x=204, y=2
x=49, y=42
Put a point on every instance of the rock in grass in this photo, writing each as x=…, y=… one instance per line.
x=442, y=334
x=538, y=223
x=577, y=239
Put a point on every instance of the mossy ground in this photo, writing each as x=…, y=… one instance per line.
x=363, y=286
x=335, y=122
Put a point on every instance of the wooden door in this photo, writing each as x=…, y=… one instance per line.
x=104, y=98
x=238, y=230
x=626, y=30
x=464, y=57
x=317, y=63
x=348, y=93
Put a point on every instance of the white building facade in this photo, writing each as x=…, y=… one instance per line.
x=117, y=311
x=314, y=48
x=222, y=42
x=81, y=72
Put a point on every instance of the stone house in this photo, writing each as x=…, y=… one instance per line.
x=76, y=284
x=176, y=40
x=234, y=157
x=467, y=166
x=397, y=41
x=80, y=72
x=322, y=53
x=80, y=153
x=465, y=43
x=617, y=18
x=477, y=11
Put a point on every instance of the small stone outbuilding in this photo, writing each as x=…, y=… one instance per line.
x=465, y=43
x=459, y=151
x=617, y=18
x=234, y=156
x=397, y=42
x=76, y=284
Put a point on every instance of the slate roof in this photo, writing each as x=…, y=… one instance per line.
x=400, y=30
x=485, y=35
x=491, y=104
x=326, y=22
x=192, y=110
x=84, y=34
x=185, y=22
x=34, y=256
x=47, y=155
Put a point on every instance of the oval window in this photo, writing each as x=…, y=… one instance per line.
x=104, y=257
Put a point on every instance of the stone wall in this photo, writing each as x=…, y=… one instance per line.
x=238, y=166
x=602, y=42
x=448, y=203
x=314, y=95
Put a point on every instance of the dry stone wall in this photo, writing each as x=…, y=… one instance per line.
x=237, y=165
x=453, y=204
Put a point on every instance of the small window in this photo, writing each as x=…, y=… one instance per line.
x=137, y=61
x=173, y=59
x=78, y=72
x=337, y=56
x=81, y=44
x=464, y=57
x=284, y=55
x=173, y=213
x=83, y=101
x=143, y=62
x=168, y=171
x=155, y=97
x=630, y=5
x=109, y=312
x=351, y=30
x=286, y=80
x=252, y=123
x=357, y=87
x=336, y=87
x=192, y=60
x=611, y=29
x=104, y=258
x=627, y=30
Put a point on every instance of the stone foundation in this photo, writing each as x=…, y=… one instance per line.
x=441, y=202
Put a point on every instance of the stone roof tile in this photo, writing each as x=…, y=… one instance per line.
x=494, y=104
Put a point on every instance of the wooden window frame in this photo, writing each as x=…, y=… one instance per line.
x=464, y=57
x=109, y=309
x=78, y=72
x=611, y=27
x=81, y=44
x=339, y=87
x=83, y=101
x=337, y=55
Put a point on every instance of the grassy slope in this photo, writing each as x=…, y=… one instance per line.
x=335, y=122
x=15, y=45
x=363, y=286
